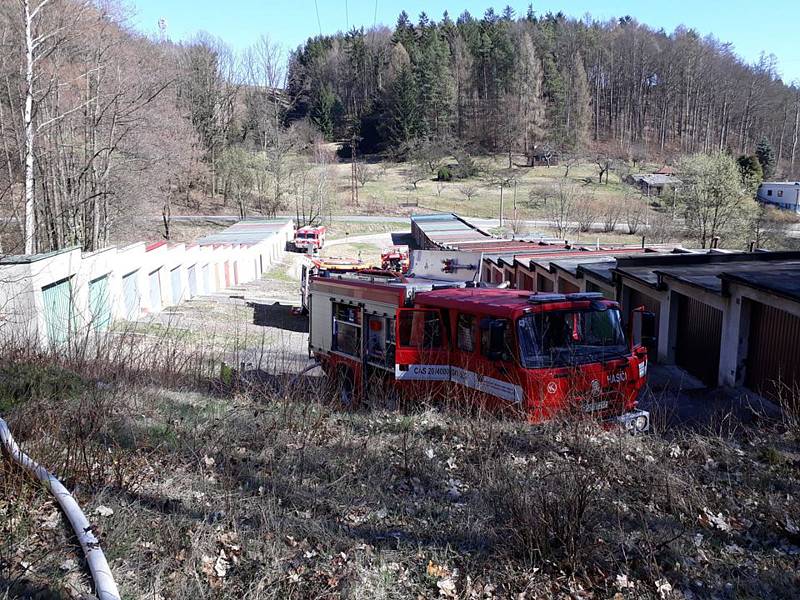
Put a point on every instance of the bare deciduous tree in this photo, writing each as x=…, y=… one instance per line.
x=585, y=212
x=364, y=173
x=561, y=208
x=468, y=190
x=611, y=213
x=604, y=165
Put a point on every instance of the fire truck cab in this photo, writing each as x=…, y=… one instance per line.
x=309, y=238
x=537, y=355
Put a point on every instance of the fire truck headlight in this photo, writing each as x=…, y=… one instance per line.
x=630, y=424
x=640, y=423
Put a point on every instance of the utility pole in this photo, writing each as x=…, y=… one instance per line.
x=501, y=205
x=353, y=171
x=515, y=201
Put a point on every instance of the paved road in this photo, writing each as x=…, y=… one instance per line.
x=482, y=223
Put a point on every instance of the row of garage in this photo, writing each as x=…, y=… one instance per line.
x=727, y=318
x=52, y=297
x=724, y=317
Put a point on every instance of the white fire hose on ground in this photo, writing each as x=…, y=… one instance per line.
x=104, y=584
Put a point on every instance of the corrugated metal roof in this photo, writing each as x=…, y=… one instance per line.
x=244, y=232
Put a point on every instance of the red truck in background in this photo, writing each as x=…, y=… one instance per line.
x=538, y=355
x=310, y=238
x=395, y=259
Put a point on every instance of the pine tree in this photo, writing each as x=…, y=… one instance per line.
x=435, y=83
x=581, y=104
x=522, y=106
x=402, y=119
x=404, y=32
x=529, y=79
x=322, y=111
x=766, y=156
x=750, y=171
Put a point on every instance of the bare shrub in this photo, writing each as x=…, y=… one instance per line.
x=661, y=228
x=561, y=210
x=634, y=214
x=550, y=511
x=611, y=213
x=539, y=194
x=553, y=517
x=468, y=190
x=585, y=213
x=364, y=173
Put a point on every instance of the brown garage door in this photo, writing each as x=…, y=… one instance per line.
x=699, y=336
x=567, y=287
x=773, y=352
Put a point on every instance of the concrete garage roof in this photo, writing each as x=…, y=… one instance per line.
x=707, y=270
x=708, y=277
x=244, y=232
x=599, y=270
x=783, y=281
x=25, y=259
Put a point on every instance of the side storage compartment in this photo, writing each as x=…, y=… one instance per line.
x=320, y=321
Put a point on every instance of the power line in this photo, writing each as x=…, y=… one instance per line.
x=374, y=21
x=319, y=23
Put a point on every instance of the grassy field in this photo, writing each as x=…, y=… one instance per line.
x=389, y=192
x=338, y=230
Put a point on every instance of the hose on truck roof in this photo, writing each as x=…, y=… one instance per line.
x=104, y=585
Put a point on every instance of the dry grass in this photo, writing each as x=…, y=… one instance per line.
x=230, y=489
x=258, y=485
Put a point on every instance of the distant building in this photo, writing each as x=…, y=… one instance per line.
x=542, y=156
x=782, y=194
x=653, y=184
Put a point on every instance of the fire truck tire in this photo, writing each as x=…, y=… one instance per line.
x=347, y=386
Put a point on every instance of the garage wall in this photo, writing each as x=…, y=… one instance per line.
x=31, y=305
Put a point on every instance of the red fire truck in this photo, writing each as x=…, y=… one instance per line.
x=534, y=354
x=310, y=238
x=395, y=259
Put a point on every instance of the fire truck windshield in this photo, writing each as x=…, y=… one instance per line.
x=561, y=338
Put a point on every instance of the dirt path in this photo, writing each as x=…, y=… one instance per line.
x=269, y=337
x=366, y=247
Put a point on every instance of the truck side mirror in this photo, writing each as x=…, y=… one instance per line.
x=643, y=329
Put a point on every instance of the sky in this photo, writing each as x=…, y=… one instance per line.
x=752, y=27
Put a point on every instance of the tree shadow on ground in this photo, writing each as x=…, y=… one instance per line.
x=278, y=315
